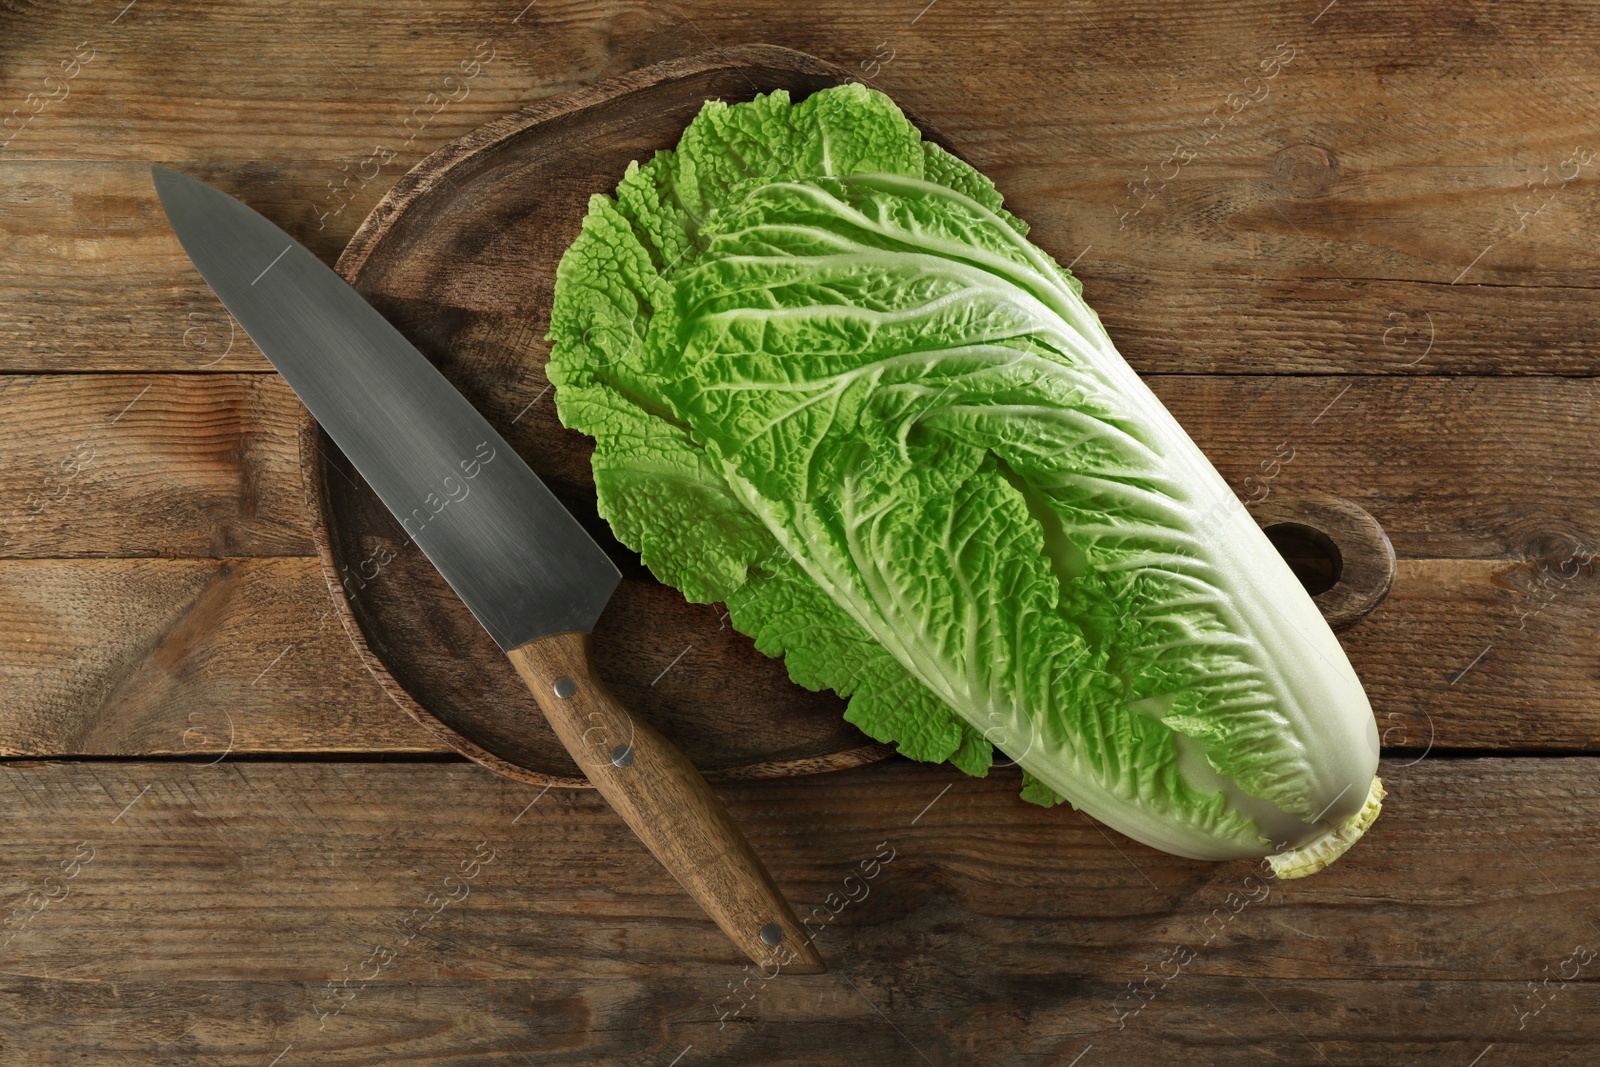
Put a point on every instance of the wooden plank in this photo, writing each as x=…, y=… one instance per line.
x=97, y=281
x=1483, y=655
x=150, y=657
x=440, y=1018
x=222, y=900
x=187, y=657
x=1507, y=660
x=138, y=465
x=1310, y=232
x=1451, y=467
x=205, y=465
x=359, y=78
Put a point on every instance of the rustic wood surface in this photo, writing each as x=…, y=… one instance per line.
x=222, y=913
x=1382, y=260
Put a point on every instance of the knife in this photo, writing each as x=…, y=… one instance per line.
x=529, y=573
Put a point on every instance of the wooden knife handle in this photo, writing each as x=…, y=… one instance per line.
x=658, y=792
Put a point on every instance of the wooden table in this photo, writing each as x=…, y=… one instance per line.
x=1359, y=232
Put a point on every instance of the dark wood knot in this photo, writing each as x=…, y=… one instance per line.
x=1304, y=171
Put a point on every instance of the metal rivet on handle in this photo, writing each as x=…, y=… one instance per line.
x=622, y=755
x=771, y=934
x=565, y=687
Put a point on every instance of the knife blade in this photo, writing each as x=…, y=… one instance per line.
x=514, y=555
x=517, y=558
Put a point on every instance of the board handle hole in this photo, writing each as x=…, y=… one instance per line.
x=1310, y=553
x=1337, y=550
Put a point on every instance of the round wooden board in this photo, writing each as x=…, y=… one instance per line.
x=461, y=256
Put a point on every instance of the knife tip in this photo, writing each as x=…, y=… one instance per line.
x=162, y=178
x=167, y=180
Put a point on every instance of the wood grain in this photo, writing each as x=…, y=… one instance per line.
x=112, y=657
x=1387, y=212
x=150, y=465
x=203, y=465
x=191, y=658
x=243, y=890
x=1322, y=227
x=103, y=285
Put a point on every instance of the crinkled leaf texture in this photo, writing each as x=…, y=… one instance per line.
x=832, y=384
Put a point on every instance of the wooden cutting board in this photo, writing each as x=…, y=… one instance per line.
x=461, y=257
